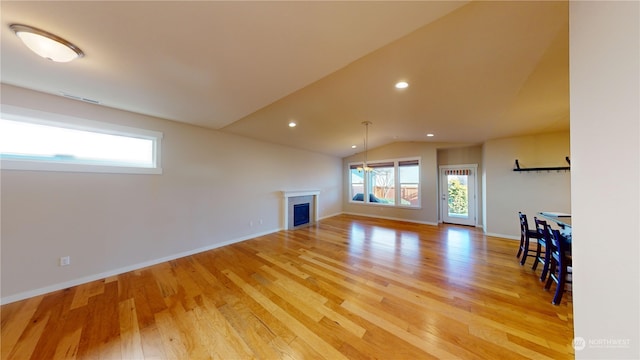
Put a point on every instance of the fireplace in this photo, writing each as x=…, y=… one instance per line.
x=300, y=208
x=300, y=214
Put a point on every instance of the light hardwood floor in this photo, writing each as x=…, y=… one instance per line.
x=347, y=287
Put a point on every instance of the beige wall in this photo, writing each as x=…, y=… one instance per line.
x=507, y=192
x=428, y=213
x=212, y=187
x=502, y=192
x=605, y=184
x=460, y=155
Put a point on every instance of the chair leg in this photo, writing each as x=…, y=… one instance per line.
x=524, y=246
x=552, y=271
x=536, y=261
x=545, y=268
x=562, y=280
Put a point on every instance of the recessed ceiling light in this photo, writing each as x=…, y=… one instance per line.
x=292, y=124
x=430, y=135
x=45, y=44
x=354, y=146
x=402, y=85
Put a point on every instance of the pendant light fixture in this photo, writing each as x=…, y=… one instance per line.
x=47, y=45
x=364, y=167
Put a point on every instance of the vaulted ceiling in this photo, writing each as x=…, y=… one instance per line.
x=476, y=70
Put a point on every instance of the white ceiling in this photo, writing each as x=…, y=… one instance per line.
x=477, y=71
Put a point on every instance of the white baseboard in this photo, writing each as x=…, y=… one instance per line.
x=320, y=218
x=94, y=277
x=328, y=216
x=510, y=237
x=393, y=218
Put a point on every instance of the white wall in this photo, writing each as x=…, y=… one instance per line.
x=213, y=186
x=605, y=138
x=508, y=191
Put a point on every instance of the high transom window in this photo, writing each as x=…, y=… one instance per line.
x=47, y=142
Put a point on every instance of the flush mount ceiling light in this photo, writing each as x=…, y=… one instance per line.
x=292, y=124
x=47, y=45
x=402, y=85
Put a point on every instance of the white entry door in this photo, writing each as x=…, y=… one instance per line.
x=458, y=194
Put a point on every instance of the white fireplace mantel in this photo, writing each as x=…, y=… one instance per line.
x=285, y=204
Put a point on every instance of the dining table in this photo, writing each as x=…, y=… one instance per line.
x=562, y=220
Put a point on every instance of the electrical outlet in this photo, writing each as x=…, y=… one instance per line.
x=260, y=221
x=251, y=223
x=65, y=260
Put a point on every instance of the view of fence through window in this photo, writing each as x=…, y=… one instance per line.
x=409, y=183
x=382, y=179
x=390, y=183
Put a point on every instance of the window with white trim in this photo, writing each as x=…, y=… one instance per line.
x=48, y=142
x=392, y=183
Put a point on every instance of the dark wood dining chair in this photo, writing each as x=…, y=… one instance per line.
x=526, y=235
x=559, y=265
x=544, y=241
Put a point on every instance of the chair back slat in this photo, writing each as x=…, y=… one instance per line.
x=542, y=228
x=561, y=261
x=524, y=224
x=560, y=246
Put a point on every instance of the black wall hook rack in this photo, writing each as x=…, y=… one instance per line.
x=557, y=168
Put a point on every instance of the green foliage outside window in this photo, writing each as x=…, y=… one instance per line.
x=457, y=197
